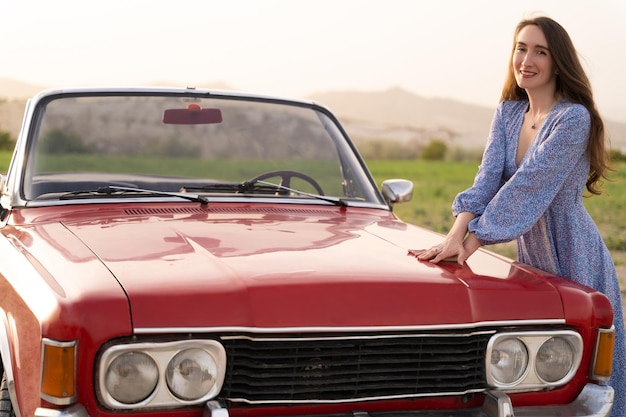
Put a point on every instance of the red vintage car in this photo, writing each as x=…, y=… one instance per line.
x=180, y=252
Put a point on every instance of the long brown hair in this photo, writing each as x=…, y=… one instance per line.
x=571, y=83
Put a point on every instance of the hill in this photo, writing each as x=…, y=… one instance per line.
x=17, y=90
x=393, y=114
x=397, y=114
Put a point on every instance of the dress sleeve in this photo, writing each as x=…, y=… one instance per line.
x=489, y=177
x=519, y=204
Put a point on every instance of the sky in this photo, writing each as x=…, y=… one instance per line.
x=455, y=49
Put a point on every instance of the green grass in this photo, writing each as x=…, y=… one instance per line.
x=435, y=185
x=183, y=166
x=5, y=160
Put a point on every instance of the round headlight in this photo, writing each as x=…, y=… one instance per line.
x=191, y=374
x=555, y=359
x=509, y=360
x=131, y=377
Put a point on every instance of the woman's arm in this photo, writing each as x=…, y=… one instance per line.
x=520, y=202
x=471, y=203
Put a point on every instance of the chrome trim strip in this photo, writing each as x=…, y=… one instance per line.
x=593, y=401
x=211, y=200
x=360, y=399
x=331, y=329
x=370, y=337
x=185, y=91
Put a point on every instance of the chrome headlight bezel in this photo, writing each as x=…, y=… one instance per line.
x=531, y=377
x=162, y=354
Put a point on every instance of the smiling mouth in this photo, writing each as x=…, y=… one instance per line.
x=527, y=73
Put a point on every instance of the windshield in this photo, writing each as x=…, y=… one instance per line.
x=173, y=143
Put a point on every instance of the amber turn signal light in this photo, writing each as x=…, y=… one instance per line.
x=58, y=371
x=603, y=357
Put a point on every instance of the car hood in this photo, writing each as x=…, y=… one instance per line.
x=277, y=267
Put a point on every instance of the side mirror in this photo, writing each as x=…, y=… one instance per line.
x=397, y=191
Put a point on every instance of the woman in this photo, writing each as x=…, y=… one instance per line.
x=546, y=145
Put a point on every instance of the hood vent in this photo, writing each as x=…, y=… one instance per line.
x=152, y=211
x=166, y=210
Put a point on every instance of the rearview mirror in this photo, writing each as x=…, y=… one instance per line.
x=192, y=115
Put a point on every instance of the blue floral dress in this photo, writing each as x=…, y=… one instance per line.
x=539, y=203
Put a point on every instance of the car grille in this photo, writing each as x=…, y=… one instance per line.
x=335, y=369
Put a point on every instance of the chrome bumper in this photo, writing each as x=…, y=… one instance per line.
x=77, y=410
x=593, y=401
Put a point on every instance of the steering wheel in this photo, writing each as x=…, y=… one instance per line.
x=286, y=176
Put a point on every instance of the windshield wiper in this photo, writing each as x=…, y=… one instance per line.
x=113, y=191
x=334, y=200
x=259, y=186
x=244, y=187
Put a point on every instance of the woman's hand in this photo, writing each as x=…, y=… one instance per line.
x=448, y=250
x=451, y=249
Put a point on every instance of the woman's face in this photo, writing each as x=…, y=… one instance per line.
x=532, y=62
